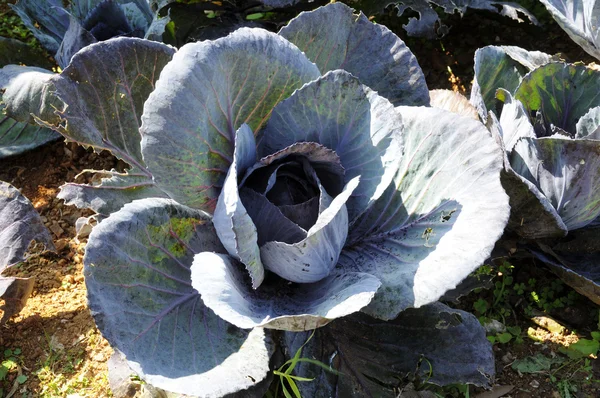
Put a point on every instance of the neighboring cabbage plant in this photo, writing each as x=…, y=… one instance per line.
x=18, y=134
x=63, y=28
x=20, y=227
x=549, y=124
x=428, y=24
x=580, y=19
x=278, y=183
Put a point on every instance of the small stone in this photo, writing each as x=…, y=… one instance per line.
x=61, y=244
x=69, y=279
x=535, y=384
x=56, y=229
x=99, y=357
x=494, y=326
x=508, y=358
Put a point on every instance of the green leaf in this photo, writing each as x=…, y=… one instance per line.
x=481, y=306
x=21, y=379
x=596, y=336
x=583, y=348
x=504, y=337
x=514, y=330
x=534, y=364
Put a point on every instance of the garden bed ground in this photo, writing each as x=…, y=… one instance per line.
x=59, y=352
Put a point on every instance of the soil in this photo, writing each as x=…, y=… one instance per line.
x=55, y=331
x=63, y=353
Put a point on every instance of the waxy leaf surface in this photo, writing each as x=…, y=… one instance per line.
x=338, y=112
x=203, y=96
x=438, y=219
x=435, y=343
x=226, y=290
x=137, y=270
x=333, y=37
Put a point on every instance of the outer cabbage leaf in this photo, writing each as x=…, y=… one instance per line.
x=501, y=67
x=575, y=260
x=18, y=137
x=20, y=225
x=588, y=126
x=429, y=19
x=101, y=96
x=531, y=213
x=341, y=114
x=226, y=290
x=566, y=171
x=76, y=38
x=579, y=18
x=137, y=270
x=109, y=191
x=203, y=96
x=46, y=19
x=26, y=91
x=563, y=93
x=433, y=343
x=439, y=218
x=333, y=37
x=454, y=102
x=514, y=121
x=53, y=21
x=16, y=52
x=23, y=86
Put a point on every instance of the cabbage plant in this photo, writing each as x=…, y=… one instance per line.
x=63, y=28
x=280, y=183
x=549, y=125
x=428, y=23
x=20, y=227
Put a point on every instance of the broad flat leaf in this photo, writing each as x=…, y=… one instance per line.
x=575, y=260
x=137, y=271
x=532, y=215
x=16, y=52
x=338, y=112
x=454, y=102
x=103, y=90
x=514, y=120
x=437, y=344
x=20, y=224
x=313, y=258
x=501, y=67
x=18, y=137
x=439, y=218
x=111, y=192
x=562, y=92
x=203, y=96
x=425, y=25
x=579, y=18
x=589, y=125
x=76, y=38
x=46, y=19
x=26, y=91
x=24, y=86
x=277, y=304
x=234, y=226
x=566, y=171
x=333, y=37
